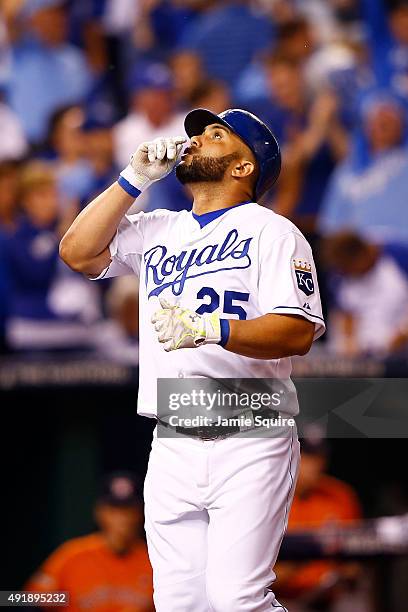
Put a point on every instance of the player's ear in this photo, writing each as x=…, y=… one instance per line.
x=243, y=168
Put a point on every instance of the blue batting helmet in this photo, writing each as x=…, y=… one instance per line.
x=255, y=134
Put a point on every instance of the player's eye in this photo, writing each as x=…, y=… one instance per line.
x=217, y=135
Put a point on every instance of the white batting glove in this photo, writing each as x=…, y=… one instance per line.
x=179, y=327
x=151, y=162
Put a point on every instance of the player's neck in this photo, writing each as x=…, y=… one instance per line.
x=209, y=197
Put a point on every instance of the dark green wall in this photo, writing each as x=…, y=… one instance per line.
x=55, y=445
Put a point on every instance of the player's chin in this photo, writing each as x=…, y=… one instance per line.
x=184, y=170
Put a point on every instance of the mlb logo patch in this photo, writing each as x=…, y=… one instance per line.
x=304, y=278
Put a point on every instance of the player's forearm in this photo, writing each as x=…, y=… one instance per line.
x=85, y=242
x=85, y=245
x=270, y=336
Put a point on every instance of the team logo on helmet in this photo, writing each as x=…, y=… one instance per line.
x=304, y=278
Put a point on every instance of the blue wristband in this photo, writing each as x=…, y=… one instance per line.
x=225, y=331
x=128, y=187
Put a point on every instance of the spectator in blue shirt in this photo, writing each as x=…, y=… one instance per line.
x=32, y=252
x=388, y=37
x=49, y=307
x=368, y=192
x=47, y=72
x=9, y=181
x=228, y=37
x=160, y=25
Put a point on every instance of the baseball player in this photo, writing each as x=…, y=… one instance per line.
x=228, y=290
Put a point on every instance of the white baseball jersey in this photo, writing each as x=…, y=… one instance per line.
x=243, y=262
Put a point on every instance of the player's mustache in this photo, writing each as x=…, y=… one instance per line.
x=189, y=151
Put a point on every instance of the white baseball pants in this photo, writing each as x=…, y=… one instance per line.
x=215, y=515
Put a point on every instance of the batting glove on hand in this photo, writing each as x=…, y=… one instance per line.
x=179, y=327
x=151, y=162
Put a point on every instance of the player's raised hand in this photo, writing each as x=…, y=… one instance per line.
x=153, y=161
x=179, y=327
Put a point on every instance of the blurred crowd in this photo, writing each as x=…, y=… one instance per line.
x=83, y=82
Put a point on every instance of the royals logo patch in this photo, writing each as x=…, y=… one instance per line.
x=304, y=278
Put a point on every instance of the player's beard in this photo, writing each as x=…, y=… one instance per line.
x=204, y=169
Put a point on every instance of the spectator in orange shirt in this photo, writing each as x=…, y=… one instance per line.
x=320, y=500
x=107, y=571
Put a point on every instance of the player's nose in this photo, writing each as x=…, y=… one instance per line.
x=195, y=141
